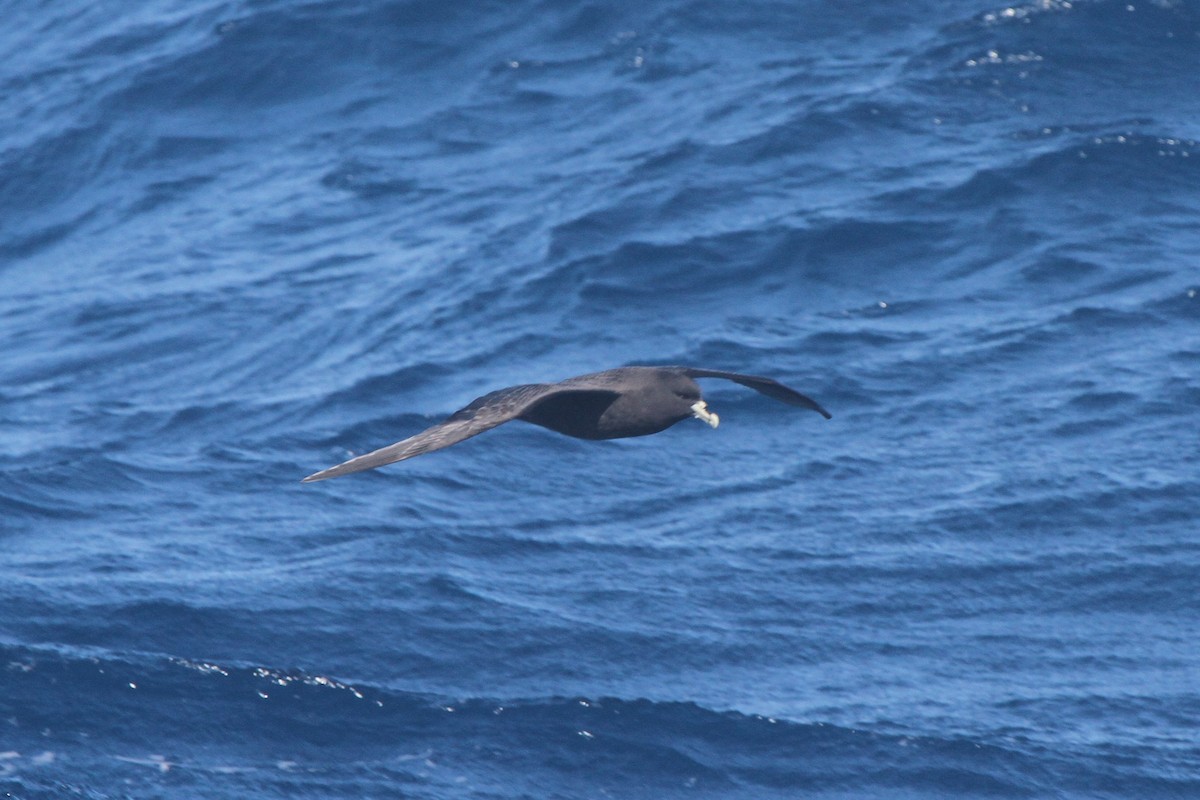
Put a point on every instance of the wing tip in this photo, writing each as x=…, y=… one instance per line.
x=804, y=401
x=325, y=474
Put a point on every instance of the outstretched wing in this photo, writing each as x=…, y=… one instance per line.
x=768, y=386
x=481, y=415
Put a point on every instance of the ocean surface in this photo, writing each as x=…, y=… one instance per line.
x=243, y=241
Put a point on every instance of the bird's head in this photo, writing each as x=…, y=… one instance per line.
x=685, y=394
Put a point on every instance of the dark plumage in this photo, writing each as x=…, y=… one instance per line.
x=616, y=403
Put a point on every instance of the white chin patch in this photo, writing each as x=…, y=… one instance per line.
x=700, y=411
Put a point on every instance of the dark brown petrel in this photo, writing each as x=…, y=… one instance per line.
x=616, y=403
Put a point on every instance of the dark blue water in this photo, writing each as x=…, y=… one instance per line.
x=241, y=241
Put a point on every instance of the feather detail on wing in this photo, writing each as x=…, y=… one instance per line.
x=768, y=386
x=480, y=415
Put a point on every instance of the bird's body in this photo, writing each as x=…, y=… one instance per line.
x=613, y=404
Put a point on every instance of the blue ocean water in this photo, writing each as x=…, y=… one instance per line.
x=241, y=241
